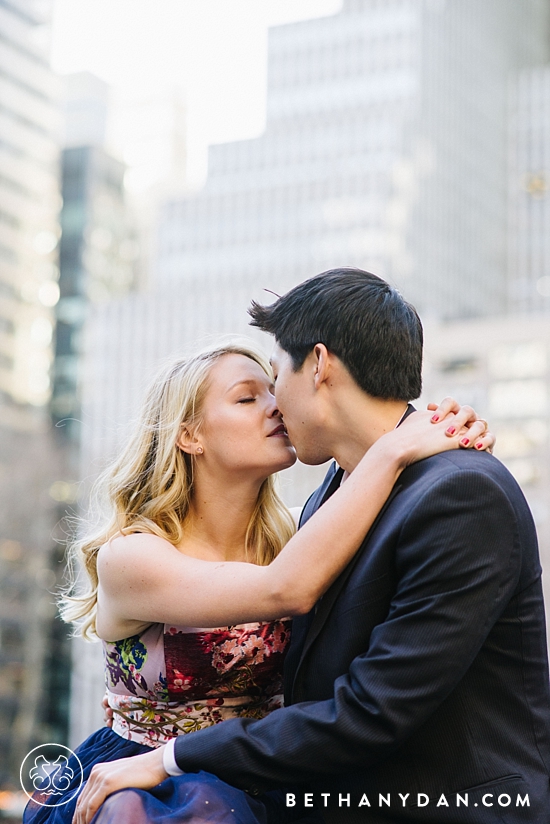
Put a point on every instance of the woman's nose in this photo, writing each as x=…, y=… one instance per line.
x=273, y=411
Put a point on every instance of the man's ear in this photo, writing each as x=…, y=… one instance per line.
x=188, y=441
x=321, y=364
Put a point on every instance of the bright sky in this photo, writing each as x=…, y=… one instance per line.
x=215, y=50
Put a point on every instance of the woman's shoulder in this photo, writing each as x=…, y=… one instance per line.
x=135, y=540
x=130, y=555
x=125, y=567
x=120, y=546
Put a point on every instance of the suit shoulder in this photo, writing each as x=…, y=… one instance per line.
x=462, y=460
x=479, y=489
x=464, y=466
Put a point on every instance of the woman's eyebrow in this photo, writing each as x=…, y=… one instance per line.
x=249, y=382
x=245, y=381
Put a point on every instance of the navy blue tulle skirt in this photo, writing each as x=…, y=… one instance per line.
x=189, y=798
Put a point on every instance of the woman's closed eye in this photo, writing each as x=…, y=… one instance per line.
x=246, y=400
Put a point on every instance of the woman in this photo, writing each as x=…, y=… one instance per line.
x=195, y=541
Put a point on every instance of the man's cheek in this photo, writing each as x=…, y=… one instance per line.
x=281, y=400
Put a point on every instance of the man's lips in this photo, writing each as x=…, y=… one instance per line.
x=279, y=430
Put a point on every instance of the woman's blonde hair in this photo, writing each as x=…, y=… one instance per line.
x=150, y=486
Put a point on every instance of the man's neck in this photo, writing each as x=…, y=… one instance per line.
x=359, y=424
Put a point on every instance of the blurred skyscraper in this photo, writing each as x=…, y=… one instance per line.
x=149, y=133
x=386, y=147
x=29, y=206
x=501, y=366
x=98, y=254
x=29, y=154
x=98, y=249
x=529, y=192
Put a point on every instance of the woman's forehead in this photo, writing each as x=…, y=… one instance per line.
x=233, y=368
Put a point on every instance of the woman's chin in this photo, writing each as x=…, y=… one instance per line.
x=290, y=459
x=277, y=463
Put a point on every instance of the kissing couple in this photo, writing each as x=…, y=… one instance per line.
x=415, y=665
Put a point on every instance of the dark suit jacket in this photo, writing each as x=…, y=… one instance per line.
x=423, y=669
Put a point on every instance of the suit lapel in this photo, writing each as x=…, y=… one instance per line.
x=301, y=623
x=329, y=486
x=324, y=605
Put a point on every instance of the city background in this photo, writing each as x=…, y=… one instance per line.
x=161, y=164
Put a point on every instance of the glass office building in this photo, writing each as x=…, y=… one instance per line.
x=501, y=366
x=96, y=256
x=386, y=147
x=29, y=201
x=29, y=232
x=529, y=192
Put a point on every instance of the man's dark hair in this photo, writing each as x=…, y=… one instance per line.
x=361, y=319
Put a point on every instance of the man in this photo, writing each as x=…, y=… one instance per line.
x=417, y=690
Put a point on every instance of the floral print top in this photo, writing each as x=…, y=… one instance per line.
x=169, y=680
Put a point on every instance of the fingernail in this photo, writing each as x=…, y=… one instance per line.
x=435, y=418
x=479, y=446
x=451, y=430
x=465, y=441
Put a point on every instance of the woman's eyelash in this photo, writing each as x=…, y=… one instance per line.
x=246, y=400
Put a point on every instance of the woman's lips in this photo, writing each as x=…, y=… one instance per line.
x=280, y=431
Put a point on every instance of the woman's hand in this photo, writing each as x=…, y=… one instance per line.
x=107, y=712
x=474, y=430
x=140, y=771
x=445, y=427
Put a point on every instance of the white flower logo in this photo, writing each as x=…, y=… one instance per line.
x=51, y=775
x=51, y=778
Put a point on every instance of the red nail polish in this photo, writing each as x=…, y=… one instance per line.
x=435, y=418
x=479, y=446
x=465, y=441
x=451, y=430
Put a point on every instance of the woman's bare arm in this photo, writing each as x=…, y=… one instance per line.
x=144, y=579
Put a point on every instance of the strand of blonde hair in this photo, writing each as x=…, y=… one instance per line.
x=150, y=486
